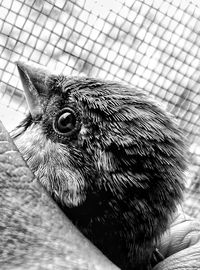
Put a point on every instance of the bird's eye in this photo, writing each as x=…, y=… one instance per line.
x=65, y=121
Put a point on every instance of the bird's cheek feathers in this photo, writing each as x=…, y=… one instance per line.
x=54, y=172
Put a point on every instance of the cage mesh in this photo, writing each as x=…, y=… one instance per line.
x=154, y=45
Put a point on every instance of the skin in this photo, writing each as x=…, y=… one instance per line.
x=118, y=172
x=180, y=244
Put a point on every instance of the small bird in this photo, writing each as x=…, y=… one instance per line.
x=109, y=155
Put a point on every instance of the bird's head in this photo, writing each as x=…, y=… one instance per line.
x=87, y=138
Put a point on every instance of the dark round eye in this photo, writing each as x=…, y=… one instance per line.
x=65, y=121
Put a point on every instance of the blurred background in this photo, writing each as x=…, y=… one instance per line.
x=151, y=44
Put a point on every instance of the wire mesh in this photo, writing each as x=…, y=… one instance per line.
x=154, y=45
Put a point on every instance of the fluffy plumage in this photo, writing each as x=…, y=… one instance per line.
x=109, y=155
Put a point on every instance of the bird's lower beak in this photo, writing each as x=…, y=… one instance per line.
x=33, y=80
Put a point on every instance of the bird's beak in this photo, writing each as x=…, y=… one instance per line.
x=34, y=83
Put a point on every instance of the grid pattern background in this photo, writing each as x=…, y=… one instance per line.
x=154, y=45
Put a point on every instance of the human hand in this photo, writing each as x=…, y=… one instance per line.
x=180, y=245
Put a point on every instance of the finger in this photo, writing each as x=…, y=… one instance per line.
x=183, y=233
x=184, y=259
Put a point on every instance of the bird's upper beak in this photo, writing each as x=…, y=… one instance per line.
x=34, y=83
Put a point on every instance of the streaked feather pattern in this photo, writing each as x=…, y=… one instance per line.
x=119, y=176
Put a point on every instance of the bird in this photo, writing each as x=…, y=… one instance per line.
x=111, y=157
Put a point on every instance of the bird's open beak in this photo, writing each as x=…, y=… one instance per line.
x=33, y=80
